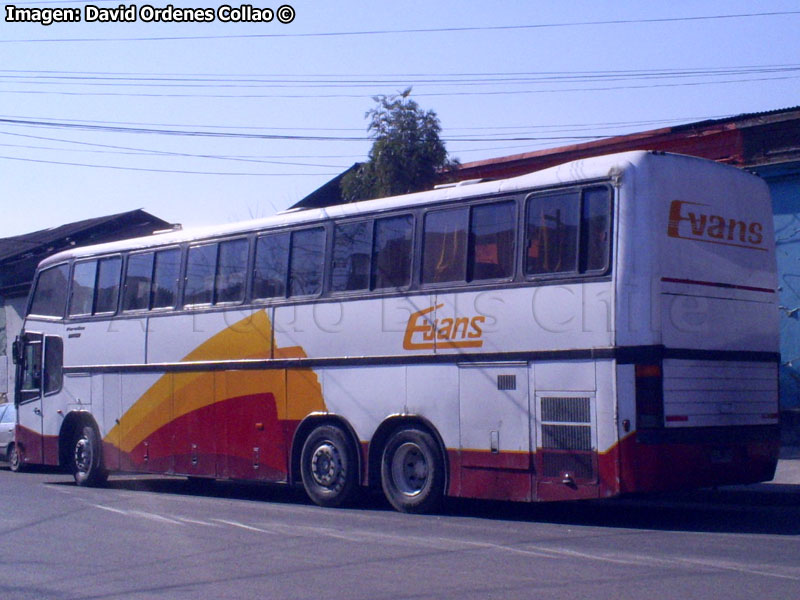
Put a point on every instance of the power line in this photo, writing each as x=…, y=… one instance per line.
x=311, y=81
x=503, y=92
x=410, y=31
x=151, y=152
x=560, y=127
x=118, y=168
x=260, y=136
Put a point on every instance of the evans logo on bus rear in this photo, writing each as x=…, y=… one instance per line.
x=693, y=221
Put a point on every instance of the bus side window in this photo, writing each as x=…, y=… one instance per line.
x=53, y=364
x=271, y=266
x=201, y=266
x=552, y=233
x=50, y=296
x=307, y=262
x=491, y=244
x=81, y=298
x=351, y=256
x=108, y=273
x=392, y=252
x=444, y=246
x=596, y=228
x=138, y=274
x=231, y=269
x=166, y=273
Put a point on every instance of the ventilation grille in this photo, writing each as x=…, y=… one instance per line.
x=566, y=410
x=567, y=437
x=506, y=382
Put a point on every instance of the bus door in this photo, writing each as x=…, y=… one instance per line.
x=495, y=435
x=28, y=353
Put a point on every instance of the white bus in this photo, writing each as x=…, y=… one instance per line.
x=602, y=327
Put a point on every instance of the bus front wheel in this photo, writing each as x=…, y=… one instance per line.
x=87, y=464
x=412, y=471
x=329, y=466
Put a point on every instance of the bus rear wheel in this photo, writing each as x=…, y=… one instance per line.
x=329, y=466
x=412, y=471
x=87, y=463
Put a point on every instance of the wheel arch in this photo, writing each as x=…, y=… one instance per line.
x=304, y=429
x=385, y=431
x=71, y=425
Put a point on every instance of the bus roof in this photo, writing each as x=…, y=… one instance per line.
x=595, y=168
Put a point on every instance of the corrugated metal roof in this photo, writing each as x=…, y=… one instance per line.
x=19, y=255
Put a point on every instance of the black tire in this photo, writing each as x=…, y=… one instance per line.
x=413, y=471
x=14, y=459
x=329, y=466
x=87, y=460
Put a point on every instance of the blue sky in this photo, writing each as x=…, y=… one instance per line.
x=99, y=118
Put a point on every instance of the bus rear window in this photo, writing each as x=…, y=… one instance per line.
x=50, y=296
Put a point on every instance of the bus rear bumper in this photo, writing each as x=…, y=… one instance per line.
x=690, y=458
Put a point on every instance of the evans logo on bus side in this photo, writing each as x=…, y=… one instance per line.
x=701, y=225
x=424, y=334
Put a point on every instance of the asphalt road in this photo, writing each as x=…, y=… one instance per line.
x=148, y=537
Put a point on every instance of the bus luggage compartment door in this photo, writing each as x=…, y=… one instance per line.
x=495, y=460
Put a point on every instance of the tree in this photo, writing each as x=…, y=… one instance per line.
x=407, y=153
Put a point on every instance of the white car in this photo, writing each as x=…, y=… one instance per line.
x=8, y=420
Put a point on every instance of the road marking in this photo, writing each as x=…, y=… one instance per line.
x=194, y=521
x=243, y=526
x=109, y=509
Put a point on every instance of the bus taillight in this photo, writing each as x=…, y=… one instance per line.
x=649, y=396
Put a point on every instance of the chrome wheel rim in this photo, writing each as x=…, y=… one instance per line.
x=409, y=469
x=327, y=467
x=83, y=454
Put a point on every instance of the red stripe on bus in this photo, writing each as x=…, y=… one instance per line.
x=732, y=286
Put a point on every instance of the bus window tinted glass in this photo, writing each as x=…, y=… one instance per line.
x=32, y=367
x=50, y=297
x=231, y=268
x=82, y=291
x=200, y=269
x=269, y=273
x=351, y=254
x=165, y=278
x=136, y=294
x=444, y=246
x=595, y=229
x=492, y=241
x=392, y=252
x=108, y=274
x=307, y=262
x=552, y=234
x=53, y=363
